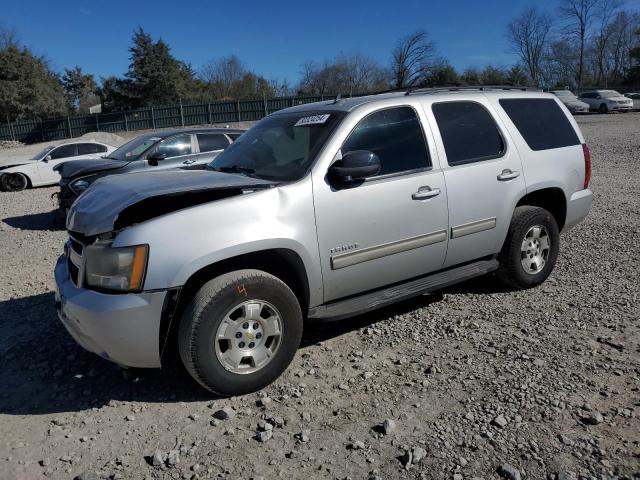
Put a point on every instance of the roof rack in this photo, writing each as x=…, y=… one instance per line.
x=480, y=88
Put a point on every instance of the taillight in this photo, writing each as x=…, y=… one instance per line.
x=587, y=165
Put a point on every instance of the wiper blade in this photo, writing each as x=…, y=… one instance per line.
x=235, y=169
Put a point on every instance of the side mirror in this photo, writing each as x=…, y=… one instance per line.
x=356, y=165
x=155, y=157
x=47, y=158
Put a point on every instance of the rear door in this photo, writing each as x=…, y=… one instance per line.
x=483, y=174
x=390, y=227
x=210, y=145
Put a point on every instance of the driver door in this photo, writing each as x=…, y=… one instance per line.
x=176, y=151
x=57, y=156
x=392, y=226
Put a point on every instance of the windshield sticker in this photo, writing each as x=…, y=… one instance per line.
x=312, y=120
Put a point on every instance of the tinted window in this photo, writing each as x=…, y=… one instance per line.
x=468, y=132
x=541, y=122
x=209, y=142
x=63, y=152
x=395, y=135
x=87, y=148
x=101, y=148
x=233, y=136
x=175, y=146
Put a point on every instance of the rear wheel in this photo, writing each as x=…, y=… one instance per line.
x=240, y=332
x=531, y=248
x=603, y=108
x=13, y=182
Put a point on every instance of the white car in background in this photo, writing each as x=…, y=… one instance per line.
x=38, y=171
x=605, y=101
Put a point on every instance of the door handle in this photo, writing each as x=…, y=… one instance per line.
x=188, y=162
x=508, y=175
x=425, y=192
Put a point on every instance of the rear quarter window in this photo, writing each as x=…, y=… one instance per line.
x=541, y=122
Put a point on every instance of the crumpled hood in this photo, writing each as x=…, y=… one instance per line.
x=77, y=168
x=97, y=210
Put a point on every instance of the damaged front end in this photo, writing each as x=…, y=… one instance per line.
x=117, y=202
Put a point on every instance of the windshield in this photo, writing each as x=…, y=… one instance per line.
x=42, y=153
x=281, y=147
x=134, y=149
x=609, y=94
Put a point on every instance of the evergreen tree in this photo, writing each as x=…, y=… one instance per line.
x=80, y=89
x=28, y=87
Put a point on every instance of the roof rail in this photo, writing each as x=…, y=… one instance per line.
x=481, y=88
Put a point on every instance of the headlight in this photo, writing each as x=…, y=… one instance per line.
x=80, y=186
x=121, y=268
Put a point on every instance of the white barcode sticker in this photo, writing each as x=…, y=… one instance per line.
x=312, y=120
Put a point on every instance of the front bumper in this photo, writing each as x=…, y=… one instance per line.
x=123, y=328
x=66, y=197
x=578, y=208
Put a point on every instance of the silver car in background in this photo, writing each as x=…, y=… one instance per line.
x=573, y=103
x=605, y=101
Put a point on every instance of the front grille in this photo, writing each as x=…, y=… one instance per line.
x=75, y=260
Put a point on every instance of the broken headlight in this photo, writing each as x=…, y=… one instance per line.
x=116, y=268
x=80, y=186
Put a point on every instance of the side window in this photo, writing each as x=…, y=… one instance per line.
x=468, y=131
x=175, y=146
x=209, y=142
x=233, y=136
x=395, y=135
x=101, y=148
x=87, y=148
x=541, y=122
x=63, y=152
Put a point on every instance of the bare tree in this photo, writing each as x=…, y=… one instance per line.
x=604, y=14
x=222, y=74
x=580, y=15
x=411, y=59
x=528, y=36
x=8, y=37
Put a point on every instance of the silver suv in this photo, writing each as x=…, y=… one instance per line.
x=321, y=211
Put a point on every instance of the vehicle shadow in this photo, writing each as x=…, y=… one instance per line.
x=43, y=370
x=48, y=221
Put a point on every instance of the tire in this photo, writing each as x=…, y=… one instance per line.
x=603, y=108
x=13, y=182
x=222, y=308
x=520, y=249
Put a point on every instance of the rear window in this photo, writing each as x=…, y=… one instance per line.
x=212, y=141
x=87, y=148
x=541, y=122
x=468, y=132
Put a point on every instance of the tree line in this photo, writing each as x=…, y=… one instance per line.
x=583, y=43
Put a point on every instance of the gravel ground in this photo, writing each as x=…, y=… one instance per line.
x=478, y=382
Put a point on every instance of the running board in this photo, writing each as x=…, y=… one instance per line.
x=380, y=298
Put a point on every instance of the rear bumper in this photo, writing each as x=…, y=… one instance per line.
x=578, y=208
x=123, y=328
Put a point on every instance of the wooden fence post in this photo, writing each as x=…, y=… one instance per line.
x=153, y=119
x=69, y=125
x=264, y=100
x=238, y=107
x=42, y=130
x=97, y=123
x=13, y=137
x=181, y=114
x=126, y=125
x=209, y=113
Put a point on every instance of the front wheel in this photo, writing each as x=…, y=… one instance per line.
x=531, y=248
x=13, y=182
x=240, y=332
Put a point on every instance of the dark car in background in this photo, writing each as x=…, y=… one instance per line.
x=168, y=149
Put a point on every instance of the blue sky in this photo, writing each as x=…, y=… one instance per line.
x=272, y=37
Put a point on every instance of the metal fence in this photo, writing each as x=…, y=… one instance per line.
x=149, y=118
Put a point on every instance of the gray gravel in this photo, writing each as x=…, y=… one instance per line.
x=478, y=382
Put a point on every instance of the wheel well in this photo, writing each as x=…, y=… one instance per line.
x=282, y=263
x=551, y=199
